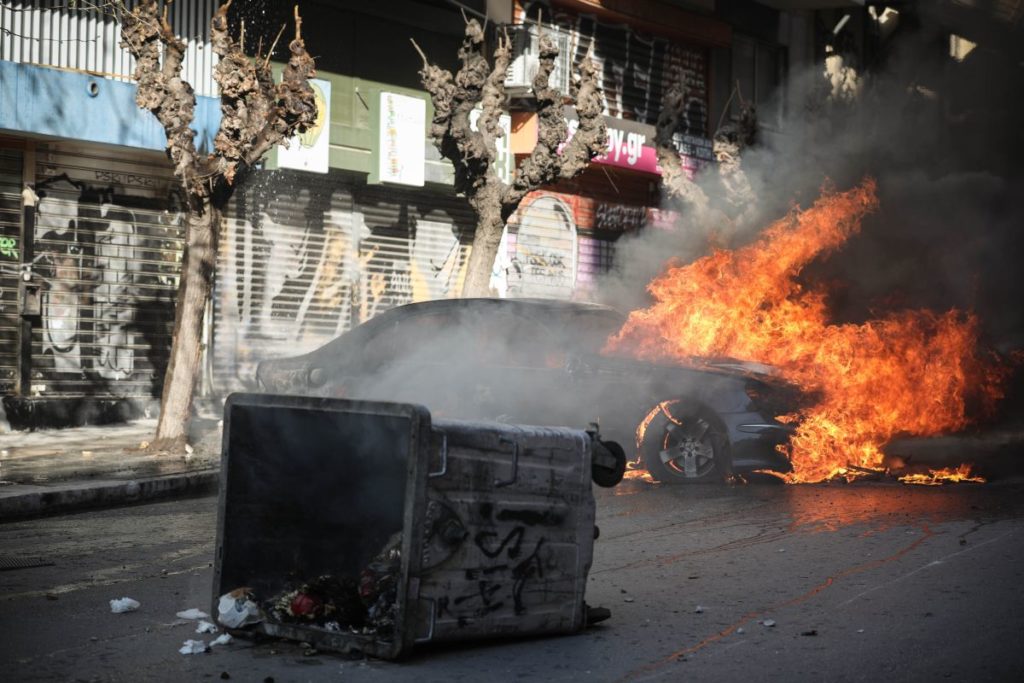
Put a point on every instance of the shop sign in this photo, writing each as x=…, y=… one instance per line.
x=634, y=149
x=310, y=151
x=402, y=142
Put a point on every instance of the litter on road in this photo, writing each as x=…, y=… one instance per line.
x=205, y=627
x=192, y=614
x=122, y=605
x=193, y=647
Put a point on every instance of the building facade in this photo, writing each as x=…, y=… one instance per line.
x=355, y=218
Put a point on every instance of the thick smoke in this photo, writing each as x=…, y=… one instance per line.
x=943, y=139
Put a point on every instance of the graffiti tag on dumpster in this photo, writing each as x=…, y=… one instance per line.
x=515, y=556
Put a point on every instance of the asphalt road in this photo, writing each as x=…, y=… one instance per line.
x=864, y=582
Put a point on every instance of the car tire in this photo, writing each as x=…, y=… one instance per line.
x=686, y=443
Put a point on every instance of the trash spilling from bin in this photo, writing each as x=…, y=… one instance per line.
x=238, y=608
x=369, y=527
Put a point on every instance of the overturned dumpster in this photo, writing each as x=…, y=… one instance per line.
x=358, y=526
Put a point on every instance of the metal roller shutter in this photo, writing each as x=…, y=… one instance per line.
x=414, y=246
x=284, y=277
x=10, y=228
x=540, y=245
x=636, y=68
x=305, y=257
x=562, y=239
x=108, y=242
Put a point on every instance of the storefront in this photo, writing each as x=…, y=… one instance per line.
x=88, y=291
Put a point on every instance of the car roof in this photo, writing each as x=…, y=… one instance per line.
x=522, y=306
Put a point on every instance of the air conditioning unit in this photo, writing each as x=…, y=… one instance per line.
x=525, y=59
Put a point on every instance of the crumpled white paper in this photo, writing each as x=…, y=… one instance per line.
x=193, y=647
x=222, y=639
x=122, y=605
x=205, y=627
x=193, y=614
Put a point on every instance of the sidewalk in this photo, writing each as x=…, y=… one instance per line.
x=63, y=470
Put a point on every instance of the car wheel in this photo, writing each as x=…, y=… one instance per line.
x=685, y=444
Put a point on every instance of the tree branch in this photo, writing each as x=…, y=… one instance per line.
x=492, y=98
x=160, y=87
x=545, y=164
x=674, y=177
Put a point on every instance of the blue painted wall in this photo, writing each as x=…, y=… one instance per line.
x=77, y=106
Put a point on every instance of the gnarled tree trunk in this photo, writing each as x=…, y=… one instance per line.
x=256, y=114
x=198, y=264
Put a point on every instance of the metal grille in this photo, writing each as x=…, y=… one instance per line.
x=284, y=275
x=540, y=244
x=305, y=257
x=412, y=249
x=108, y=242
x=596, y=257
x=10, y=248
x=636, y=69
x=48, y=33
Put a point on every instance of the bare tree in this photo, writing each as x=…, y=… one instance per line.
x=728, y=144
x=481, y=83
x=256, y=114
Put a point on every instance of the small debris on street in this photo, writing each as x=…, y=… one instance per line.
x=193, y=647
x=192, y=613
x=699, y=610
x=627, y=599
x=205, y=627
x=222, y=639
x=740, y=631
x=812, y=632
x=768, y=622
x=122, y=605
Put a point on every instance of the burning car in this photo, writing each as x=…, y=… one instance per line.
x=540, y=362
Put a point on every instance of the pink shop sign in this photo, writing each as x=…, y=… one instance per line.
x=629, y=149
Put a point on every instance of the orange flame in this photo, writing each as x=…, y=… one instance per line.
x=943, y=476
x=910, y=372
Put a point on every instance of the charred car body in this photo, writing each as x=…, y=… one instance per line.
x=539, y=362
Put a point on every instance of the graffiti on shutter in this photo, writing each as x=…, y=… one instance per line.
x=303, y=258
x=284, y=274
x=538, y=254
x=108, y=241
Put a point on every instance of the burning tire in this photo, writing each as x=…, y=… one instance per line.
x=684, y=444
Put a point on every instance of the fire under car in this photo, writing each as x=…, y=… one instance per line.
x=527, y=361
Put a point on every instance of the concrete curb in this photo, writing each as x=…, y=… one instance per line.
x=21, y=501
